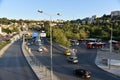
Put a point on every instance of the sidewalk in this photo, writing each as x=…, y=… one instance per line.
x=115, y=69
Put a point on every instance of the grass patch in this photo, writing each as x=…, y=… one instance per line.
x=4, y=43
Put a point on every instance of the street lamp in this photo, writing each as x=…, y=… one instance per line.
x=111, y=36
x=51, y=62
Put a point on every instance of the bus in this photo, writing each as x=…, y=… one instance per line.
x=95, y=43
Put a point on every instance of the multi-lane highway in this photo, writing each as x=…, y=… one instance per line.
x=64, y=70
x=13, y=65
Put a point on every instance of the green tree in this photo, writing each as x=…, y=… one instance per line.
x=59, y=37
x=67, y=26
x=47, y=28
x=75, y=28
x=68, y=34
x=15, y=29
x=7, y=30
x=96, y=31
x=83, y=34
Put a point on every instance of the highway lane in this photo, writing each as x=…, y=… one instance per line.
x=64, y=70
x=13, y=65
x=61, y=67
x=87, y=61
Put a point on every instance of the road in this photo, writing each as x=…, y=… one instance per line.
x=13, y=65
x=64, y=70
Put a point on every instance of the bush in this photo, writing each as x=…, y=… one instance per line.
x=4, y=43
x=116, y=47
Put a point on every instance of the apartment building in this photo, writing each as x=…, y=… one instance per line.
x=115, y=13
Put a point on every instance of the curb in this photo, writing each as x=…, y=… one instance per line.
x=40, y=70
x=2, y=51
x=105, y=67
x=33, y=66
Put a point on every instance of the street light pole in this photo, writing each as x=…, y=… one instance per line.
x=51, y=51
x=111, y=35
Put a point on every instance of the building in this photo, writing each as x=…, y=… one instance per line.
x=115, y=13
x=93, y=19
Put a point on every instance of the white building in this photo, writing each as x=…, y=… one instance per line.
x=115, y=13
x=92, y=19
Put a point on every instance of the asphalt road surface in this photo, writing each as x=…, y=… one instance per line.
x=13, y=65
x=64, y=70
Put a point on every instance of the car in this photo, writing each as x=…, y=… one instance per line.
x=40, y=49
x=67, y=52
x=28, y=43
x=72, y=58
x=74, y=42
x=82, y=73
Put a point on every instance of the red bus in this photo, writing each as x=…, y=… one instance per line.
x=95, y=45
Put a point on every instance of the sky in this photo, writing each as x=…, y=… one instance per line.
x=68, y=9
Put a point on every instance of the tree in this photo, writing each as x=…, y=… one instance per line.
x=47, y=28
x=59, y=37
x=83, y=34
x=68, y=34
x=67, y=26
x=75, y=28
x=15, y=29
x=7, y=30
x=96, y=31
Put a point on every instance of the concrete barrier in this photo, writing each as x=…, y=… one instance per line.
x=42, y=72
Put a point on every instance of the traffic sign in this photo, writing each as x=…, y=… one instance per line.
x=35, y=34
x=42, y=34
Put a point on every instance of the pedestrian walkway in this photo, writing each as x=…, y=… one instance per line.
x=101, y=61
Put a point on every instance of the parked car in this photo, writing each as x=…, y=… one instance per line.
x=74, y=42
x=72, y=58
x=67, y=52
x=82, y=73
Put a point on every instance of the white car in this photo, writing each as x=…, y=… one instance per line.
x=40, y=49
x=73, y=59
x=28, y=43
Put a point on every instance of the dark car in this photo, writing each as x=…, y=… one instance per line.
x=82, y=73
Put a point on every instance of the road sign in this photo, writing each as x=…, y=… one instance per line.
x=42, y=34
x=35, y=34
